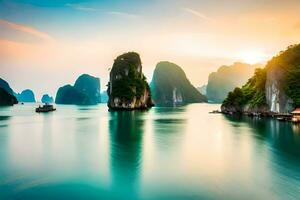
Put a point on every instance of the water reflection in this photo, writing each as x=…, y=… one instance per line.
x=283, y=136
x=126, y=133
x=165, y=153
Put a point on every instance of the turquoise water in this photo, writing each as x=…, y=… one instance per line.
x=165, y=153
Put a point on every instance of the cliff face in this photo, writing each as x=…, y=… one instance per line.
x=227, y=78
x=127, y=87
x=276, y=96
x=276, y=88
x=26, y=96
x=86, y=91
x=170, y=86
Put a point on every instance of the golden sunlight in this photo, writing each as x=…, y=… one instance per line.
x=252, y=56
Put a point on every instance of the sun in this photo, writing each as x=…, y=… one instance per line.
x=252, y=56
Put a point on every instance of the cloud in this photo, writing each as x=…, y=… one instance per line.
x=91, y=9
x=198, y=14
x=26, y=29
x=82, y=8
x=123, y=14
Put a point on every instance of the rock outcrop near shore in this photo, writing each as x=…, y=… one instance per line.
x=127, y=87
x=274, y=89
x=170, y=86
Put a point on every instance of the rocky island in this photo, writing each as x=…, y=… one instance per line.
x=7, y=97
x=170, y=86
x=47, y=99
x=86, y=91
x=127, y=87
x=273, y=89
x=26, y=96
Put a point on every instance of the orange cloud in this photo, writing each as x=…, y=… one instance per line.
x=27, y=29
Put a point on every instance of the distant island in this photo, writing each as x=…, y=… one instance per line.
x=86, y=91
x=227, y=78
x=202, y=89
x=26, y=96
x=274, y=88
x=127, y=87
x=170, y=86
x=47, y=99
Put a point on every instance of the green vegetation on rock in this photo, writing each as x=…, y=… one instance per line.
x=128, y=81
x=128, y=88
x=276, y=87
x=251, y=94
x=289, y=62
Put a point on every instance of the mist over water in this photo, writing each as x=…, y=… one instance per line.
x=86, y=152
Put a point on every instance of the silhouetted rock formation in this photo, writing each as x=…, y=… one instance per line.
x=4, y=85
x=227, y=78
x=47, y=99
x=127, y=88
x=170, y=86
x=7, y=97
x=86, y=91
x=26, y=96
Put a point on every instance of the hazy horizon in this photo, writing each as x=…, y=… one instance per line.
x=45, y=45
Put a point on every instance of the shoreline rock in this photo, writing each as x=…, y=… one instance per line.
x=271, y=91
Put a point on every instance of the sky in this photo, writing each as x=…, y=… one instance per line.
x=47, y=44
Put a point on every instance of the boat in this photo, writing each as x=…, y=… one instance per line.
x=45, y=108
x=215, y=112
x=281, y=119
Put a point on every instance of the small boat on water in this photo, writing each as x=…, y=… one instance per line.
x=215, y=112
x=45, y=108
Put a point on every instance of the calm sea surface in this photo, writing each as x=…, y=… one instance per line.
x=166, y=153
